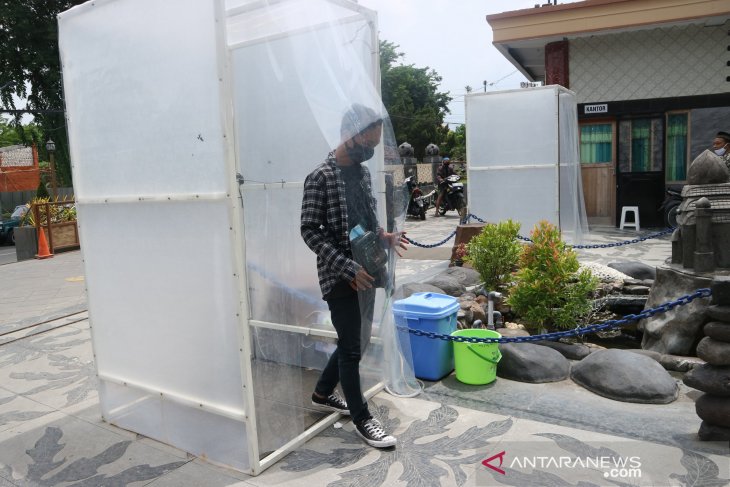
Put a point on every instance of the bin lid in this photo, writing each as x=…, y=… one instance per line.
x=426, y=305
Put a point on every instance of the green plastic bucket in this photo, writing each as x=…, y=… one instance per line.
x=476, y=363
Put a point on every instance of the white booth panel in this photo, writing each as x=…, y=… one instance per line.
x=514, y=128
x=525, y=196
x=298, y=91
x=282, y=270
x=142, y=94
x=251, y=20
x=208, y=435
x=573, y=217
x=162, y=297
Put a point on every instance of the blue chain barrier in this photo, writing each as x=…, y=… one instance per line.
x=526, y=239
x=594, y=246
x=430, y=246
x=578, y=330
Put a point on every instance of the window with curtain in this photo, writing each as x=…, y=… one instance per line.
x=640, y=145
x=677, y=147
x=596, y=143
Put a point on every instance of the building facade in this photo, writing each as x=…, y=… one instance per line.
x=652, y=79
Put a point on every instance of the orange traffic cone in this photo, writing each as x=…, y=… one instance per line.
x=43, y=252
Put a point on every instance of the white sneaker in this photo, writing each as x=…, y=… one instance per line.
x=372, y=432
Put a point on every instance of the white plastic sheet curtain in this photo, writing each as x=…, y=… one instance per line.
x=192, y=127
x=522, y=148
x=293, y=83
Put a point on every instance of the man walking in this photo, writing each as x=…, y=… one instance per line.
x=337, y=200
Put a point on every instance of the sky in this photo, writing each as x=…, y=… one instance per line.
x=454, y=38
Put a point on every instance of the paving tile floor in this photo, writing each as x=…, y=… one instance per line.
x=51, y=432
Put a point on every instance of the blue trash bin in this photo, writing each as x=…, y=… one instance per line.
x=433, y=359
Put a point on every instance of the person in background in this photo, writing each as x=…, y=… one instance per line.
x=445, y=170
x=337, y=199
x=721, y=147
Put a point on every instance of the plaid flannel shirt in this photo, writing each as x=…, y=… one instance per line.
x=324, y=225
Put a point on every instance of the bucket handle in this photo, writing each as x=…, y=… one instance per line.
x=499, y=355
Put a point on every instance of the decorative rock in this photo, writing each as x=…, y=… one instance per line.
x=477, y=311
x=713, y=351
x=465, y=276
x=624, y=305
x=707, y=168
x=721, y=290
x=647, y=353
x=712, y=432
x=714, y=409
x=637, y=270
x=525, y=362
x=677, y=331
x=573, y=351
x=625, y=376
x=482, y=299
x=603, y=273
x=710, y=379
x=639, y=282
x=467, y=297
x=465, y=316
x=679, y=363
x=450, y=285
x=512, y=332
x=637, y=290
x=717, y=330
x=415, y=287
x=719, y=313
x=514, y=326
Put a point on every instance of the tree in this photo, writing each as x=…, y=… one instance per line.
x=411, y=96
x=454, y=143
x=30, y=69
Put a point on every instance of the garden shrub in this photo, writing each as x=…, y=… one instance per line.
x=549, y=291
x=494, y=253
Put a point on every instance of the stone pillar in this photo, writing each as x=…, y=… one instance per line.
x=704, y=257
x=713, y=378
x=677, y=247
x=557, y=64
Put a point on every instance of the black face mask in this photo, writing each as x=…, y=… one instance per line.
x=359, y=153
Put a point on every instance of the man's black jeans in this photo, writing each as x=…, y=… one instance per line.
x=353, y=335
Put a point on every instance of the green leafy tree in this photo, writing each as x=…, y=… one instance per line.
x=30, y=69
x=454, y=143
x=411, y=96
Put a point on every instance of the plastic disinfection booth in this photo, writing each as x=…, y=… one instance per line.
x=192, y=127
x=523, y=158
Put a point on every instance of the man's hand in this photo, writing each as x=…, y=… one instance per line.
x=396, y=241
x=362, y=280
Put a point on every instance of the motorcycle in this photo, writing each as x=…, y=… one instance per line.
x=454, y=198
x=670, y=206
x=418, y=202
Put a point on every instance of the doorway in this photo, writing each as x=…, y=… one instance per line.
x=641, y=167
x=598, y=171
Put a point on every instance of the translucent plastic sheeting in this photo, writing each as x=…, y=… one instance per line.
x=297, y=73
x=144, y=100
x=142, y=118
x=573, y=216
x=187, y=269
x=522, y=149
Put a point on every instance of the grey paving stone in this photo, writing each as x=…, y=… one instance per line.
x=71, y=450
